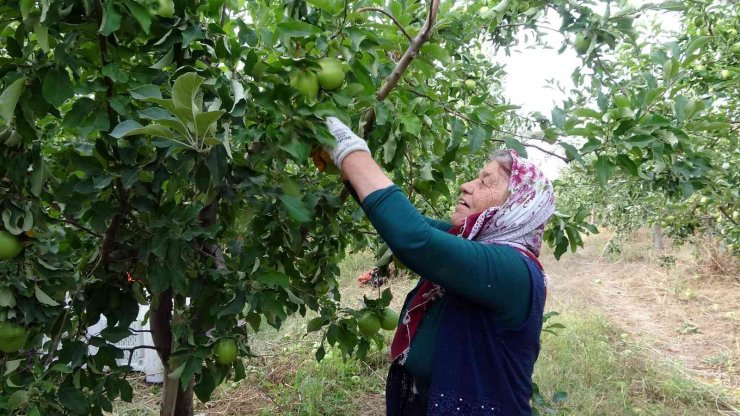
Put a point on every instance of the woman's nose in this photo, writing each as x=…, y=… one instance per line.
x=466, y=188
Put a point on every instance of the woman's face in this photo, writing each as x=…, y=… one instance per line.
x=489, y=189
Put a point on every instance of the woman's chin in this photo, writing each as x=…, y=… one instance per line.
x=458, y=217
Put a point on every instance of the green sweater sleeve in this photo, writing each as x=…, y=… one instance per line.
x=491, y=275
x=440, y=225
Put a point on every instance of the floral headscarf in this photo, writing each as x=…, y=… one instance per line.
x=521, y=220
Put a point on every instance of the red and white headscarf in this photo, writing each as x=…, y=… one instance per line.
x=519, y=222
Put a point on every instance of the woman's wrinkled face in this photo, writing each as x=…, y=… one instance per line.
x=489, y=189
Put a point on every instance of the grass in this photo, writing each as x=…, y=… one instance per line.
x=604, y=371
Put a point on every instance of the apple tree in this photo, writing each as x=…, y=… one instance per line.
x=160, y=154
x=657, y=127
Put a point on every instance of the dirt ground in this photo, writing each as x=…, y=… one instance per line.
x=682, y=313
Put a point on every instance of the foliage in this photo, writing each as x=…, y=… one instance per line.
x=157, y=154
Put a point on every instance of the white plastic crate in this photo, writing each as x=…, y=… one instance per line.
x=145, y=360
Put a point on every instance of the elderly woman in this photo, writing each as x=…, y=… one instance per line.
x=469, y=332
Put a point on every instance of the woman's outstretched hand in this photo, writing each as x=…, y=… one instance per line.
x=347, y=141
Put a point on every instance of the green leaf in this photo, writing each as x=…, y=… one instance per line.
x=176, y=373
x=697, y=44
x=115, y=334
x=561, y=248
x=641, y=140
x=673, y=5
x=315, y=324
x=296, y=208
x=145, y=91
x=57, y=87
x=604, y=169
x=558, y=117
x=320, y=353
x=588, y=113
x=273, y=278
x=141, y=14
x=26, y=6
x=17, y=399
x=37, y=176
x=515, y=144
x=627, y=165
x=165, y=60
x=205, y=121
x=12, y=365
x=111, y=19
x=435, y=51
x=476, y=137
x=411, y=124
x=72, y=399
x=621, y=101
x=206, y=385
x=389, y=149
x=9, y=99
x=85, y=117
x=184, y=93
x=296, y=29
x=43, y=297
x=331, y=6
x=42, y=36
x=132, y=128
x=570, y=151
x=559, y=397
x=6, y=297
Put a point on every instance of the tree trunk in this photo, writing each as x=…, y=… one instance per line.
x=658, y=237
x=175, y=402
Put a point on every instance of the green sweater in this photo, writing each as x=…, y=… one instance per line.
x=493, y=276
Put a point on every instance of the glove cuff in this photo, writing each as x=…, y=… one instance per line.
x=339, y=154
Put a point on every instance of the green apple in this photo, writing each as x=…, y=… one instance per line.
x=9, y=246
x=369, y=324
x=483, y=11
x=582, y=43
x=166, y=8
x=470, y=84
x=226, y=351
x=306, y=82
x=725, y=74
x=390, y=319
x=331, y=75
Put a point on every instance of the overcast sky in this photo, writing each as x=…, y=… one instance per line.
x=529, y=69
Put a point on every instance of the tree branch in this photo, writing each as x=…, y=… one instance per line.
x=469, y=120
x=728, y=216
x=390, y=16
x=78, y=225
x=411, y=53
x=344, y=21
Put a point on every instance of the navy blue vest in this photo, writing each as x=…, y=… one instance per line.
x=481, y=369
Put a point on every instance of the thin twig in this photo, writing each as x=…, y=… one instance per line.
x=390, y=16
x=344, y=20
x=535, y=26
x=609, y=75
x=728, y=216
x=80, y=226
x=469, y=120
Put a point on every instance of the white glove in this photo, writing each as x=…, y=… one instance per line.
x=347, y=141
